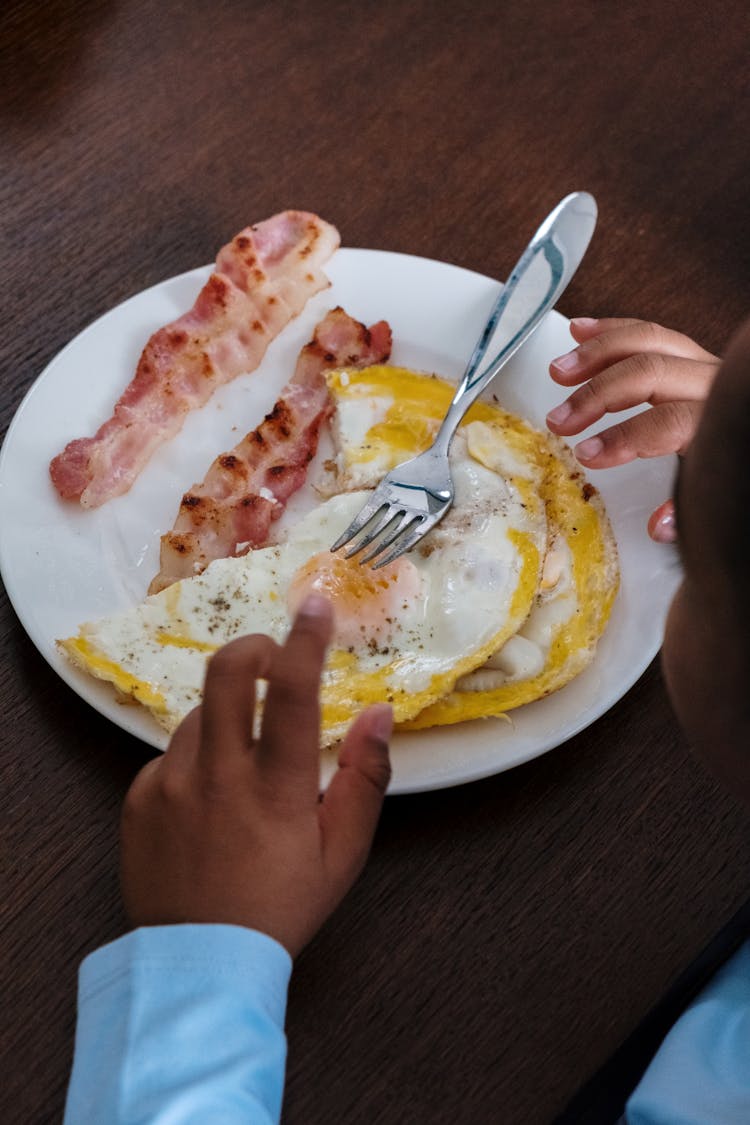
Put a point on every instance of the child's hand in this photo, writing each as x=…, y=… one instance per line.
x=624, y=363
x=223, y=828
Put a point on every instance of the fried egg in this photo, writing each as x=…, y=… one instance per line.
x=403, y=633
x=384, y=415
x=578, y=586
x=500, y=604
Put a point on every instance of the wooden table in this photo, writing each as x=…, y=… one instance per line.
x=509, y=934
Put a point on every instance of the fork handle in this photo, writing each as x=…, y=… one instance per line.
x=561, y=241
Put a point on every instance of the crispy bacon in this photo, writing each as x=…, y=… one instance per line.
x=246, y=489
x=341, y=341
x=262, y=279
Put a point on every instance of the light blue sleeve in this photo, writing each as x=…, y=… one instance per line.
x=701, y=1073
x=181, y=1025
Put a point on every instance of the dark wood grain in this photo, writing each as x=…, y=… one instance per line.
x=509, y=934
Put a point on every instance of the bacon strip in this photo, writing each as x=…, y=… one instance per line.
x=262, y=279
x=248, y=487
x=341, y=341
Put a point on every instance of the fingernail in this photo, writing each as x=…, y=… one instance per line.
x=584, y=321
x=665, y=530
x=381, y=722
x=588, y=449
x=315, y=605
x=566, y=363
x=560, y=413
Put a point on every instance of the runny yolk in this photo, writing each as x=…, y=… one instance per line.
x=366, y=602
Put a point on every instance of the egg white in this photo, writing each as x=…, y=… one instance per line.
x=384, y=415
x=579, y=582
x=473, y=582
x=504, y=600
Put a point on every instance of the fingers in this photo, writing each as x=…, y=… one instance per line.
x=184, y=743
x=228, y=710
x=605, y=342
x=584, y=327
x=667, y=428
x=166, y=772
x=661, y=525
x=289, y=746
x=638, y=379
x=141, y=788
x=625, y=363
x=352, y=803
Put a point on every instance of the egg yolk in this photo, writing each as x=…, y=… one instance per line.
x=366, y=602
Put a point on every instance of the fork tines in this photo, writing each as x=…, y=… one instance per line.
x=385, y=524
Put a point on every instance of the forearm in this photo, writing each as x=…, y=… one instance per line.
x=181, y=1023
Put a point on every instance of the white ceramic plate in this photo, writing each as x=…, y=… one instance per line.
x=62, y=565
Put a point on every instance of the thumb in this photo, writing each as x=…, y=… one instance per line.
x=661, y=524
x=354, y=797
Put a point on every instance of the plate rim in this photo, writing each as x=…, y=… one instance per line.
x=72, y=676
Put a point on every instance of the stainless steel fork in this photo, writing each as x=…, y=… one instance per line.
x=414, y=496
